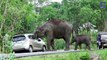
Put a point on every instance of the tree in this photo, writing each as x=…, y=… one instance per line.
x=16, y=17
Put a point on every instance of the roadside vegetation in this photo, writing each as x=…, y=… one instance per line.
x=102, y=55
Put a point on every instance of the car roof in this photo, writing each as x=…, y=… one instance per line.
x=102, y=33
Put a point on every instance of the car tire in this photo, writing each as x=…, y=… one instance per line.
x=30, y=49
x=44, y=48
x=103, y=47
x=100, y=46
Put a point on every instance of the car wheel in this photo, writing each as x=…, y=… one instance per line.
x=43, y=48
x=30, y=49
x=100, y=46
x=103, y=47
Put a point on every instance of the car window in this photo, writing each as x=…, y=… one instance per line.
x=102, y=33
x=18, y=38
x=30, y=36
x=103, y=36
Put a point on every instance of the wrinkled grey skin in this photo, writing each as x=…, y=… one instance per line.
x=55, y=29
x=81, y=39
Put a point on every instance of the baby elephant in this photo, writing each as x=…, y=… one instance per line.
x=81, y=39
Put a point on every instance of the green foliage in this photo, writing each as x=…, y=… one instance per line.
x=59, y=44
x=10, y=57
x=48, y=12
x=16, y=17
x=85, y=57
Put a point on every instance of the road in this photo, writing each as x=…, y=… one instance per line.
x=19, y=55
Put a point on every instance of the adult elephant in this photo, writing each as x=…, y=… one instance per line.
x=55, y=29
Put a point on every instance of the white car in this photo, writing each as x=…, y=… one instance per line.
x=102, y=40
x=26, y=42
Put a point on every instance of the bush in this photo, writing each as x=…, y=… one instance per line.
x=85, y=57
x=7, y=48
x=59, y=44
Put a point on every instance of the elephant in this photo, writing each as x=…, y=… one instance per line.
x=55, y=29
x=81, y=39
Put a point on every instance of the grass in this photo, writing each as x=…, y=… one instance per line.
x=68, y=56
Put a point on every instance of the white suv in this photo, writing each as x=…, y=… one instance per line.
x=102, y=40
x=26, y=42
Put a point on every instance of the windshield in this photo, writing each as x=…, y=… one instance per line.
x=18, y=38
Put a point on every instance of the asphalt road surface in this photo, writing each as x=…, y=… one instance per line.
x=19, y=55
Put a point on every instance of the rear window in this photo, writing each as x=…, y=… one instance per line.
x=102, y=33
x=18, y=38
x=104, y=37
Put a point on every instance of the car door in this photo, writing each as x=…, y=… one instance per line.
x=38, y=43
x=33, y=42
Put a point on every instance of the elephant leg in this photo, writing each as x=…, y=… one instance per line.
x=52, y=44
x=49, y=39
x=76, y=46
x=80, y=46
x=88, y=46
x=48, y=44
x=67, y=41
